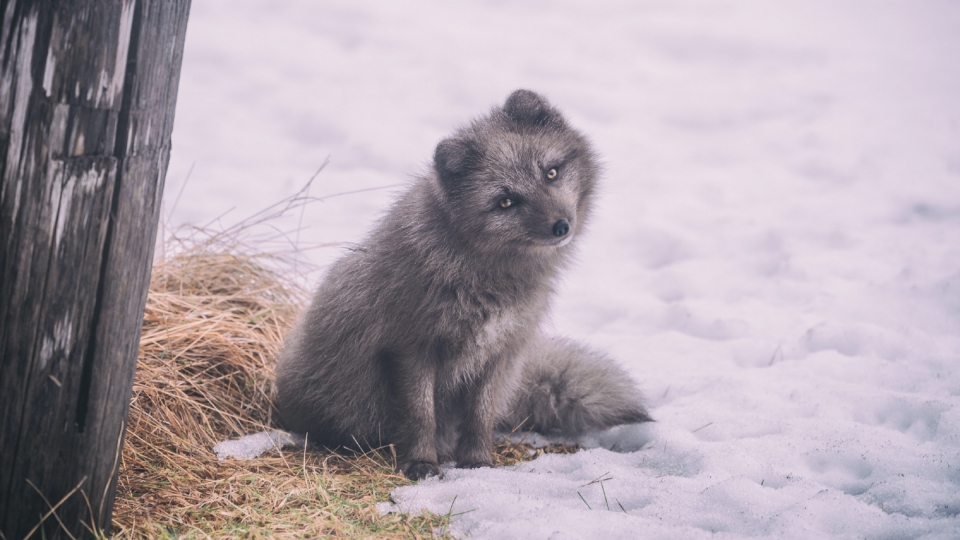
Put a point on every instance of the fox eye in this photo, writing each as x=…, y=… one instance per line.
x=551, y=174
x=506, y=202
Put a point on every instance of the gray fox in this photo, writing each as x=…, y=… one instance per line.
x=428, y=334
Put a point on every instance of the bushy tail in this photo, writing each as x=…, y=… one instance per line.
x=567, y=388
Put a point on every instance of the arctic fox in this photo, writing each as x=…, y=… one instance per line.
x=427, y=336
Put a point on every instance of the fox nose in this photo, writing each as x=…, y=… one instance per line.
x=561, y=228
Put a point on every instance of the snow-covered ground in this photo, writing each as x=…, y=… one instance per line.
x=775, y=259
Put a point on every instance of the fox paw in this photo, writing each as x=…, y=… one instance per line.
x=418, y=470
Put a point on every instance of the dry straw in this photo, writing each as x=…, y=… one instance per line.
x=216, y=313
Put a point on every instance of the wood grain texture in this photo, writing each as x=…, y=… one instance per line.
x=87, y=96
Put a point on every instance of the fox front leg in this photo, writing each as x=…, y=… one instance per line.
x=413, y=421
x=475, y=446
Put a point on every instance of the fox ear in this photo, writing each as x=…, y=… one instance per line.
x=455, y=158
x=527, y=108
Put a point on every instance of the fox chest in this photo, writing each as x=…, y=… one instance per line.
x=494, y=338
x=496, y=331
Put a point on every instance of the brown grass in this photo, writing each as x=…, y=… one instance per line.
x=214, y=321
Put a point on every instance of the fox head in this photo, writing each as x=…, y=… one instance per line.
x=519, y=175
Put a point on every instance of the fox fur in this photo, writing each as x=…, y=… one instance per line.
x=428, y=335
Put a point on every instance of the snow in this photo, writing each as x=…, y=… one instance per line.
x=255, y=444
x=775, y=257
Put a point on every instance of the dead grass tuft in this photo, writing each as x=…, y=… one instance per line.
x=508, y=454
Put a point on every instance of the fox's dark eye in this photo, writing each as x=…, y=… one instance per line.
x=506, y=202
x=551, y=174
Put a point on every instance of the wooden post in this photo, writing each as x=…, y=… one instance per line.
x=87, y=96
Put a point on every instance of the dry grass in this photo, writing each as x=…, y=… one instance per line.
x=214, y=321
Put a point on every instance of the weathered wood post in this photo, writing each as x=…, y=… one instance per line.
x=87, y=95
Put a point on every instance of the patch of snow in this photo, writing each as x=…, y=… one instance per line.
x=253, y=445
